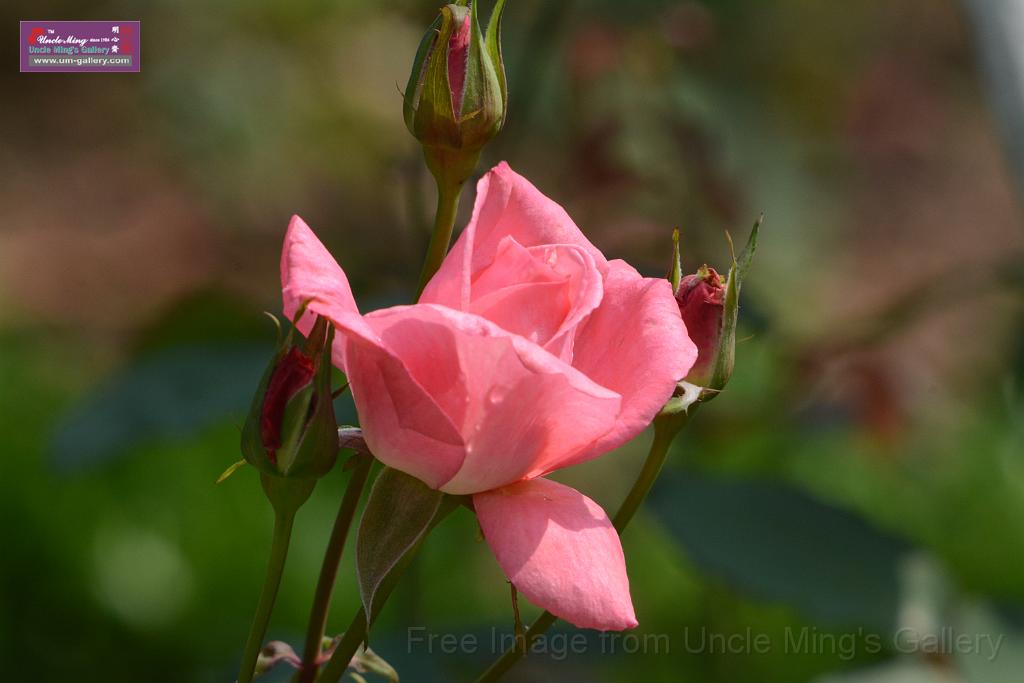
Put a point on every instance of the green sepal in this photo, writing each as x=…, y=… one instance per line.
x=318, y=447
x=493, y=40
x=482, y=109
x=747, y=255
x=434, y=120
x=230, y=470
x=685, y=395
x=675, y=273
x=252, y=443
x=414, y=88
x=726, y=353
x=309, y=442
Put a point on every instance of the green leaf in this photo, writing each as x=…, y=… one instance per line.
x=399, y=512
x=777, y=543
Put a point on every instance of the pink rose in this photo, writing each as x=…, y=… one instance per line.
x=528, y=352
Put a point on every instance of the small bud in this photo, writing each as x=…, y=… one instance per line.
x=457, y=97
x=709, y=305
x=701, y=299
x=291, y=430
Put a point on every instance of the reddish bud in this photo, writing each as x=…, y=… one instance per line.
x=458, y=51
x=701, y=299
x=457, y=97
x=294, y=373
x=291, y=430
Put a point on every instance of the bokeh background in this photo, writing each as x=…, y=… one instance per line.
x=862, y=474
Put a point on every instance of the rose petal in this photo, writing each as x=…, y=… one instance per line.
x=402, y=424
x=506, y=205
x=559, y=549
x=635, y=344
x=310, y=274
x=542, y=293
x=518, y=408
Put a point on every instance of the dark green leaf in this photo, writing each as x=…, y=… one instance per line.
x=399, y=512
x=777, y=543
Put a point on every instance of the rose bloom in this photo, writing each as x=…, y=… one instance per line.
x=527, y=352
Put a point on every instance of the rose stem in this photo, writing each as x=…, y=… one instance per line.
x=665, y=430
x=329, y=569
x=283, y=521
x=448, y=194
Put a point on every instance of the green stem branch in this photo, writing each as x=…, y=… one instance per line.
x=444, y=223
x=329, y=569
x=283, y=521
x=665, y=430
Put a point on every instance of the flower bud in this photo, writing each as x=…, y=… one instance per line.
x=701, y=299
x=709, y=305
x=456, y=98
x=291, y=429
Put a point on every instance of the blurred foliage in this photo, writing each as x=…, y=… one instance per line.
x=864, y=471
x=777, y=543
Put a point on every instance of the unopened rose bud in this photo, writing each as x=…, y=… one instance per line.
x=701, y=299
x=291, y=429
x=456, y=98
x=709, y=305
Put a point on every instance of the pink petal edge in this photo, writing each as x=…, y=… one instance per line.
x=517, y=407
x=560, y=550
x=507, y=204
x=635, y=344
x=418, y=439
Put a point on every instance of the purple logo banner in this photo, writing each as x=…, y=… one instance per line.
x=80, y=46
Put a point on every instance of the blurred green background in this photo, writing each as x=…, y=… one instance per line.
x=860, y=483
